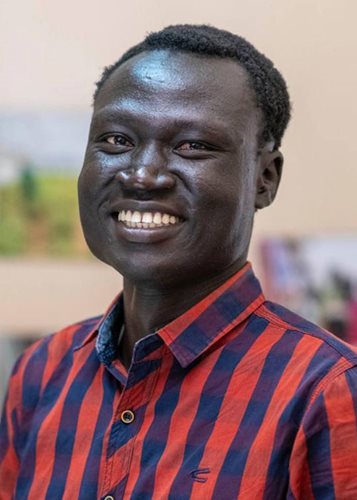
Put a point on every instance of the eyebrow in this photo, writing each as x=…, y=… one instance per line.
x=112, y=114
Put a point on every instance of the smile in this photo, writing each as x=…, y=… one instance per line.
x=146, y=220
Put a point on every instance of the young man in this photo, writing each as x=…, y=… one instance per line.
x=192, y=385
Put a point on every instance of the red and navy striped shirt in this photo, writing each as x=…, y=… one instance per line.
x=236, y=398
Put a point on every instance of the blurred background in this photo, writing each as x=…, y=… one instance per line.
x=51, y=53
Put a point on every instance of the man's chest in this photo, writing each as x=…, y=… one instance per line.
x=168, y=433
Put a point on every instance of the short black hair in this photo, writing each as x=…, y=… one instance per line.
x=268, y=84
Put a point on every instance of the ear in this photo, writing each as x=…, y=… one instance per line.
x=269, y=174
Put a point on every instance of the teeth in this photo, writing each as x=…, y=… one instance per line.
x=157, y=218
x=136, y=217
x=146, y=220
x=147, y=217
x=165, y=219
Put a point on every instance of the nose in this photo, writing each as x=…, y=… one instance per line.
x=147, y=171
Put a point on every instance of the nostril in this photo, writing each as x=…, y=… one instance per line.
x=143, y=178
x=136, y=180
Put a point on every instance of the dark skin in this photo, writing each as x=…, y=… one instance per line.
x=176, y=134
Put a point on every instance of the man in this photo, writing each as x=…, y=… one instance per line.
x=192, y=385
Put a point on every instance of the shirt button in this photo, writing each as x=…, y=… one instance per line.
x=109, y=497
x=127, y=417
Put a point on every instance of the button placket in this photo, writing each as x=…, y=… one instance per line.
x=127, y=417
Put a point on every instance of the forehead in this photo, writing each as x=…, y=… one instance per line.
x=177, y=82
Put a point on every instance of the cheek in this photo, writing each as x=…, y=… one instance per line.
x=91, y=198
x=229, y=205
x=216, y=220
x=93, y=186
x=222, y=197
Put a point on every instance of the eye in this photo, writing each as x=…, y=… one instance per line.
x=195, y=150
x=118, y=140
x=192, y=146
x=115, y=144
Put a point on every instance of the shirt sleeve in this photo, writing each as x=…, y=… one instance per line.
x=323, y=464
x=9, y=445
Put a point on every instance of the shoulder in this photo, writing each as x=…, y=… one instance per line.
x=39, y=361
x=321, y=356
x=281, y=317
x=59, y=342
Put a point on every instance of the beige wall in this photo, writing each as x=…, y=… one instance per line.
x=52, y=52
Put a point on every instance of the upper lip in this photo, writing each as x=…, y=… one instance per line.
x=147, y=206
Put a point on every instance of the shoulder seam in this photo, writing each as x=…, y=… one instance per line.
x=338, y=369
x=342, y=365
x=263, y=312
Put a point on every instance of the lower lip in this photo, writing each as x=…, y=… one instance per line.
x=149, y=235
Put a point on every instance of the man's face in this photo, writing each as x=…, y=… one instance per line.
x=172, y=153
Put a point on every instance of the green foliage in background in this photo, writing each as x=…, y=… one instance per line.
x=39, y=215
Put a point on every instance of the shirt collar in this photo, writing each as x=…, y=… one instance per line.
x=102, y=330
x=192, y=333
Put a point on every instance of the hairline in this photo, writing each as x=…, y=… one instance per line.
x=248, y=79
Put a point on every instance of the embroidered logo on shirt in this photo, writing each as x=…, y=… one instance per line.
x=196, y=475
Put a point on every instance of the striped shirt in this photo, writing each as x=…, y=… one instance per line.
x=236, y=398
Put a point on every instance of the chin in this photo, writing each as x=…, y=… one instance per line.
x=149, y=272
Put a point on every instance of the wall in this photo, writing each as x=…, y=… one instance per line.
x=52, y=52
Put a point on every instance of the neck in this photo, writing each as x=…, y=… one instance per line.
x=148, y=308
